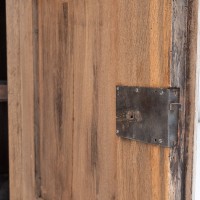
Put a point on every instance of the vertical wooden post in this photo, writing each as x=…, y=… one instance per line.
x=21, y=98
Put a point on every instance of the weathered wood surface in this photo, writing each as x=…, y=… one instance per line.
x=85, y=49
x=65, y=58
x=190, y=102
x=183, y=76
x=21, y=99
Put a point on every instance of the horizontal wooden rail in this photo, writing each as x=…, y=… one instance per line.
x=3, y=92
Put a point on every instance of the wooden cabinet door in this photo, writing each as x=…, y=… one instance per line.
x=65, y=58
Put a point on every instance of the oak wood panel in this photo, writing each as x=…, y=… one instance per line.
x=65, y=58
x=55, y=101
x=21, y=99
x=86, y=48
x=145, y=167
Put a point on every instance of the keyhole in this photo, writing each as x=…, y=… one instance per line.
x=134, y=116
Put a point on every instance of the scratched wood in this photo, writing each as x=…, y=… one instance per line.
x=69, y=57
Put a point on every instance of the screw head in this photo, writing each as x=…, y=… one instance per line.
x=175, y=93
x=117, y=131
x=161, y=92
x=160, y=141
x=137, y=90
x=117, y=88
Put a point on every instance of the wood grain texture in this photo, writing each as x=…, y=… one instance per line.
x=86, y=48
x=191, y=91
x=55, y=100
x=183, y=75
x=177, y=79
x=144, y=170
x=21, y=99
x=68, y=56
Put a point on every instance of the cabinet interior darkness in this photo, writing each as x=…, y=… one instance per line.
x=4, y=167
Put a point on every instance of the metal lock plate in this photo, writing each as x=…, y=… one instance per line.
x=148, y=115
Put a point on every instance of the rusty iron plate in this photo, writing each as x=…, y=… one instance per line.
x=149, y=115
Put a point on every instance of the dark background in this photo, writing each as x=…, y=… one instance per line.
x=4, y=183
x=3, y=106
x=3, y=64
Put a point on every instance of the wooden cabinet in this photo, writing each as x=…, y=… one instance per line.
x=65, y=58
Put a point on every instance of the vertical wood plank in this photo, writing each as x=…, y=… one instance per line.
x=191, y=91
x=94, y=102
x=95, y=64
x=21, y=102
x=144, y=169
x=55, y=100
x=149, y=67
x=183, y=75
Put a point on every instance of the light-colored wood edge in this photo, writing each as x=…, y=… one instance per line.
x=20, y=98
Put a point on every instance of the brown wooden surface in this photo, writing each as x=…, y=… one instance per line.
x=85, y=49
x=191, y=92
x=183, y=76
x=65, y=59
x=21, y=99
